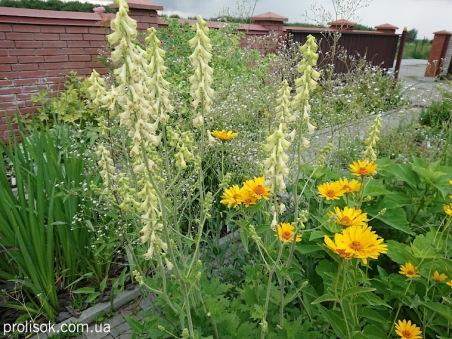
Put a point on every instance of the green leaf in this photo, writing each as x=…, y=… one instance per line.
x=356, y=290
x=316, y=235
x=305, y=249
x=371, y=299
x=374, y=332
x=428, y=174
x=443, y=310
x=244, y=237
x=336, y=321
x=92, y=297
x=375, y=188
x=400, y=253
x=404, y=173
x=135, y=325
x=394, y=218
x=325, y=297
x=421, y=248
x=84, y=290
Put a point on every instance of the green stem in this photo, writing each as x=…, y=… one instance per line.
x=269, y=285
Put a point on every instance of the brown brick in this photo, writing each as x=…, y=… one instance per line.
x=33, y=74
x=50, y=65
x=4, y=83
x=79, y=58
x=54, y=44
x=22, y=52
x=30, y=59
x=84, y=71
x=91, y=51
x=28, y=44
x=20, y=36
x=78, y=44
x=9, y=75
x=76, y=29
x=49, y=51
x=25, y=67
x=7, y=97
x=97, y=30
x=4, y=52
x=71, y=37
x=97, y=44
x=73, y=50
x=74, y=65
x=8, y=60
x=24, y=82
x=6, y=44
x=96, y=37
x=10, y=90
x=57, y=72
x=2, y=35
x=47, y=36
x=5, y=28
x=56, y=58
x=5, y=67
x=33, y=89
x=26, y=28
x=53, y=29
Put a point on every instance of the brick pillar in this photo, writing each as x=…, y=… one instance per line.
x=271, y=21
x=437, y=53
x=342, y=25
x=144, y=12
x=386, y=28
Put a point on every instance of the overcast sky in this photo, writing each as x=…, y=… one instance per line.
x=427, y=16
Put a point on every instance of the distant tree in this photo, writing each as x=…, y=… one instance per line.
x=359, y=27
x=54, y=5
x=411, y=35
x=302, y=24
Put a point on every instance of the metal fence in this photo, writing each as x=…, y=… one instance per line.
x=377, y=48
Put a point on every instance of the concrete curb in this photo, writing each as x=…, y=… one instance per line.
x=90, y=314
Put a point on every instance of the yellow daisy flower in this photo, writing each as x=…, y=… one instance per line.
x=286, y=233
x=232, y=196
x=257, y=188
x=449, y=283
x=330, y=190
x=247, y=197
x=439, y=277
x=406, y=330
x=358, y=242
x=409, y=270
x=363, y=168
x=349, y=187
x=223, y=135
x=349, y=217
x=448, y=209
x=450, y=182
x=333, y=247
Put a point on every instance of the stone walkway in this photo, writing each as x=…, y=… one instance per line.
x=417, y=89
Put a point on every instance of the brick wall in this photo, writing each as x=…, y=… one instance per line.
x=38, y=48
x=438, y=52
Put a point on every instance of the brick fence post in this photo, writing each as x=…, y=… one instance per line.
x=437, y=53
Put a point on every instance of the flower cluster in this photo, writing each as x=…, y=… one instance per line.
x=334, y=190
x=448, y=208
x=363, y=168
x=372, y=139
x=308, y=80
x=285, y=233
x=349, y=217
x=357, y=242
x=223, y=135
x=406, y=330
x=201, y=80
x=248, y=194
x=409, y=270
